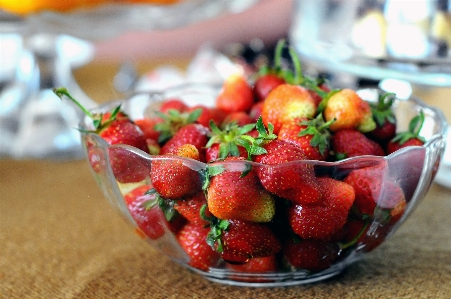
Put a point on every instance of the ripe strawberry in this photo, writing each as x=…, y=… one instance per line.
x=195, y=134
x=269, y=77
x=349, y=111
x=322, y=220
x=257, y=265
x=311, y=255
x=411, y=137
x=115, y=128
x=147, y=125
x=256, y=111
x=173, y=121
x=239, y=241
x=144, y=207
x=372, y=187
x=285, y=103
x=347, y=143
x=384, y=117
x=205, y=115
x=172, y=177
x=240, y=118
x=174, y=104
x=190, y=207
x=227, y=142
x=192, y=238
x=127, y=166
x=294, y=181
x=312, y=136
x=236, y=95
x=234, y=195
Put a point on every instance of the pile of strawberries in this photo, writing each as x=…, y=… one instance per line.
x=266, y=198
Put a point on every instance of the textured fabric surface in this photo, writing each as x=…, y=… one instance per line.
x=59, y=238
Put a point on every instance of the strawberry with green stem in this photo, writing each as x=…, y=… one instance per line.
x=347, y=143
x=228, y=141
x=115, y=128
x=311, y=135
x=411, y=137
x=384, y=117
x=172, y=121
x=284, y=172
x=238, y=241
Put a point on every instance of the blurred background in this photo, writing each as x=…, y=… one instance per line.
x=103, y=49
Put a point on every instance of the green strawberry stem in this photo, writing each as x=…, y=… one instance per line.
x=217, y=226
x=346, y=245
x=319, y=131
x=96, y=119
x=413, y=132
x=166, y=205
x=382, y=109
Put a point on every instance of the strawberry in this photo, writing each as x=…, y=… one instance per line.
x=190, y=207
x=312, y=136
x=237, y=195
x=205, y=115
x=240, y=118
x=269, y=77
x=115, y=128
x=195, y=134
x=228, y=141
x=347, y=143
x=173, y=121
x=322, y=220
x=372, y=187
x=349, y=111
x=173, y=104
x=311, y=255
x=411, y=137
x=255, y=265
x=192, y=238
x=172, y=177
x=236, y=95
x=144, y=207
x=285, y=103
x=384, y=117
x=294, y=181
x=256, y=111
x=147, y=125
x=238, y=241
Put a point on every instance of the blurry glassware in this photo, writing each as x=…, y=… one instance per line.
x=408, y=41
x=42, y=41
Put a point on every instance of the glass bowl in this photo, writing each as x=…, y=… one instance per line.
x=409, y=171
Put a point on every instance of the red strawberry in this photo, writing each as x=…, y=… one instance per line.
x=373, y=187
x=240, y=118
x=192, y=238
x=174, y=104
x=384, y=117
x=195, y=134
x=147, y=125
x=256, y=111
x=255, y=265
x=204, y=117
x=312, y=255
x=265, y=84
x=238, y=195
x=411, y=137
x=172, y=177
x=349, y=111
x=115, y=128
x=347, y=143
x=227, y=142
x=312, y=136
x=144, y=207
x=322, y=220
x=321, y=87
x=235, y=95
x=239, y=241
x=173, y=120
x=127, y=166
x=269, y=77
x=285, y=103
x=295, y=181
x=190, y=207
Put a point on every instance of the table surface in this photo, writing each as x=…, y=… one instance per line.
x=59, y=238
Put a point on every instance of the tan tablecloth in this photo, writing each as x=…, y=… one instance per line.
x=59, y=238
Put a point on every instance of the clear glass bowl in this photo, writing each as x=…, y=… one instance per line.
x=406, y=40
x=412, y=169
